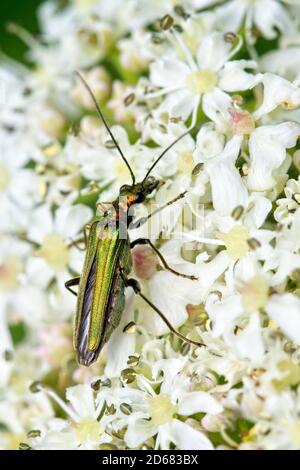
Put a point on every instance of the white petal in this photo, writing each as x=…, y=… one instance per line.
x=287, y=262
x=233, y=77
x=173, y=306
x=41, y=224
x=277, y=91
x=259, y=208
x=223, y=313
x=248, y=343
x=82, y=400
x=25, y=188
x=210, y=143
x=285, y=311
x=38, y=272
x=120, y=345
x=69, y=221
x=183, y=436
x=228, y=189
x=213, y=51
x=216, y=105
x=169, y=73
x=198, y=402
x=284, y=62
x=138, y=432
x=230, y=15
x=34, y=312
x=170, y=368
x=268, y=15
x=267, y=146
x=210, y=271
x=179, y=103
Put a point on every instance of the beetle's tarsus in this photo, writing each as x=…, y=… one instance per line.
x=72, y=282
x=134, y=284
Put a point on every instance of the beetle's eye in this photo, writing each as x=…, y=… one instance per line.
x=140, y=197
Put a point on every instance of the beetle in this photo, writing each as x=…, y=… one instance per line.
x=108, y=261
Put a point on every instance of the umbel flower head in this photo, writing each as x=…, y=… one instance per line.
x=226, y=76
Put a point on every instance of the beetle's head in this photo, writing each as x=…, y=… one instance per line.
x=138, y=192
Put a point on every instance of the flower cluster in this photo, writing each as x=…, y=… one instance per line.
x=227, y=72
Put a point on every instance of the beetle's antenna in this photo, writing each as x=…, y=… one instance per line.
x=88, y=88
x=164, y=153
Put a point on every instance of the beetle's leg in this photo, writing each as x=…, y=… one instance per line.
x=146, y=241
x=137, y=290
x=76, y=243
x=138, y=223
x=103, y=206
x=72, y=282
x=86, y=228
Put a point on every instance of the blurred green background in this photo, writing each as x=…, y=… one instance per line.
x=22, y=12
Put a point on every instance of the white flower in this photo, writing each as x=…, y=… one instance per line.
x=85, y=432
x=53, y=235
x=206, y=77
x=173, y=398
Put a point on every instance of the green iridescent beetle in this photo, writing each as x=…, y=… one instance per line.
x=108, y=262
